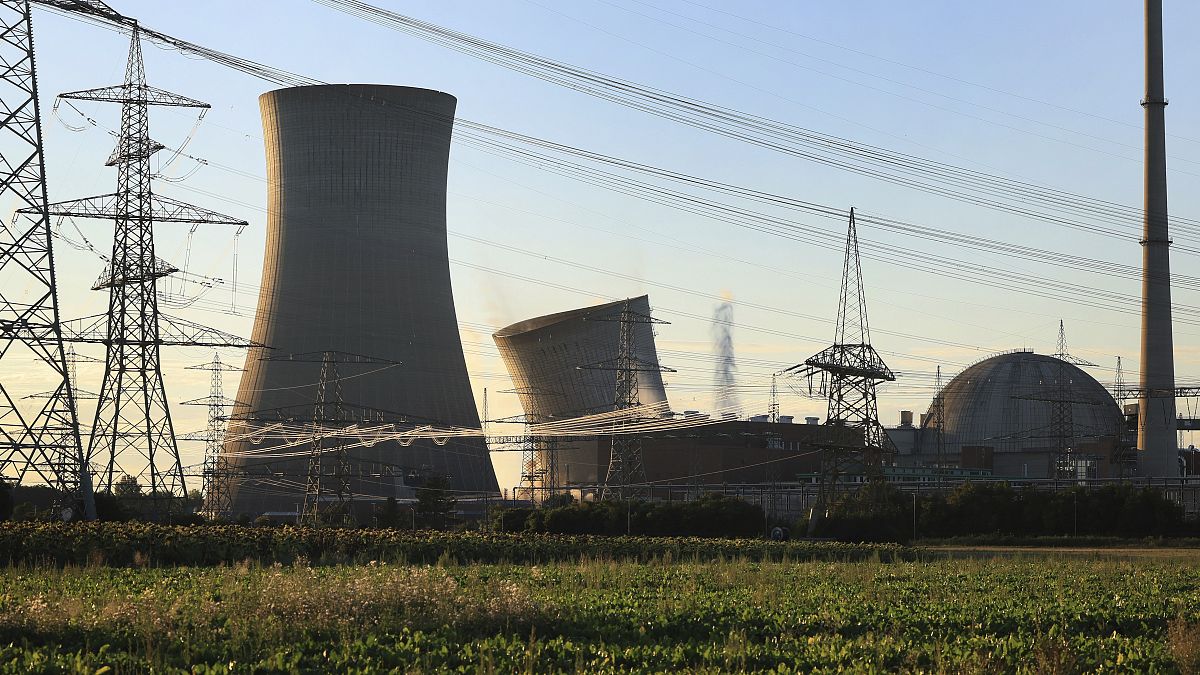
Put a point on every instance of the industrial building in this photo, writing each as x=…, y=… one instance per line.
x=1012, y=414
x=356, y=263
x=547, y=358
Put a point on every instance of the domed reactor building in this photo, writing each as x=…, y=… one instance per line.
x=1021, y=415
x=356, y=264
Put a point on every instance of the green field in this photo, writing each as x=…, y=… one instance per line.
x=1035, y=614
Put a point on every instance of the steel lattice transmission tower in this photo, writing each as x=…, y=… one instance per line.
x=43, y=443
x=132, y=414
x=1120, y=393
x=939, y=419
x=328, y=491
x=855, y=440
x=626, y=476
x=216, y=473
x=531, y=466
x=72, y=358
x=539, y=454
x=1062, y=407
x=328, y=407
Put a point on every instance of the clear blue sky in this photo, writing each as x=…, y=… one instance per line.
x=1045, y=92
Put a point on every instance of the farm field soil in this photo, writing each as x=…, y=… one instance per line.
x=974, y=615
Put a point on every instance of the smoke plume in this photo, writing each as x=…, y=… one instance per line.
x=725, y=397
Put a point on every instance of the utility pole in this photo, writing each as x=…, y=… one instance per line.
x=1156, y=381
x=216, y=474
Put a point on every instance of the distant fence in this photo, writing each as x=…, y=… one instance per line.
x=793, y=499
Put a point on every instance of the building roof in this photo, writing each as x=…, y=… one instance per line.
x=1007, y=402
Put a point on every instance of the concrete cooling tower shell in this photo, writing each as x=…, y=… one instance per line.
x=1004, y=404
x=544, y=356
x=356, y=262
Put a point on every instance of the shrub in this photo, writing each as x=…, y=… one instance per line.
x=124, y=544
x=711, y=515
x=6, y=500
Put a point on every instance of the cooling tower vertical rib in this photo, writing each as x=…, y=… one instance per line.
x=356, y=261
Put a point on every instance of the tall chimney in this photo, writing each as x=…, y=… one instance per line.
x=1156, y=423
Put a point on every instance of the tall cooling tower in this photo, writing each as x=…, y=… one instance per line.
x=356, y=262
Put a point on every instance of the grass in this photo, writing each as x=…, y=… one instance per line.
x=1004, y=615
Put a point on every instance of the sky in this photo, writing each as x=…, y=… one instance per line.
x=1045, y=93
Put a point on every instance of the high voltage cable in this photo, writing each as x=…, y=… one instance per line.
x=922, y=231
x=882, y=90
x=828, y=239
x=927, y=175
x=251, y=67
x=771, y=133
x=921, y=69
x=932, y=263
x=278, y=75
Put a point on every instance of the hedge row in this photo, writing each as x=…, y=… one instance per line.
x=136, y=543
x=883, y=513
x=712, y=515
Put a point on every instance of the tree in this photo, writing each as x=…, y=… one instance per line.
x=6, y=500
x=435, y=504
x=388, y=514
x=109, y=507
x=127, y=486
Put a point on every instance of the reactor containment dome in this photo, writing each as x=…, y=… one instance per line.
x=1012, y=413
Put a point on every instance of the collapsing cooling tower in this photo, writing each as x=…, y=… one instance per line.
x=548, y=359
x=356, y=262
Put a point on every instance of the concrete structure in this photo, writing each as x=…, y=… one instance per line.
x=544, y=357
x=999, y=417
x=356, y=262
x=1156, y=427
x=741, y=452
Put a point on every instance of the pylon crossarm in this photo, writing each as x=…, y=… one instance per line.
x=162, y=210
x=134, y=93
x=90, y=7
x=855, y=360
x=172, y=332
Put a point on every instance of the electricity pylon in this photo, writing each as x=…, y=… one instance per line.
x=626, y=475
x=218, y=502
x=327, y=492
x=1062, y=407
x=939, y=419
x=132, y=415
x=539, y=454
x=855, y=440
x=42, y=443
